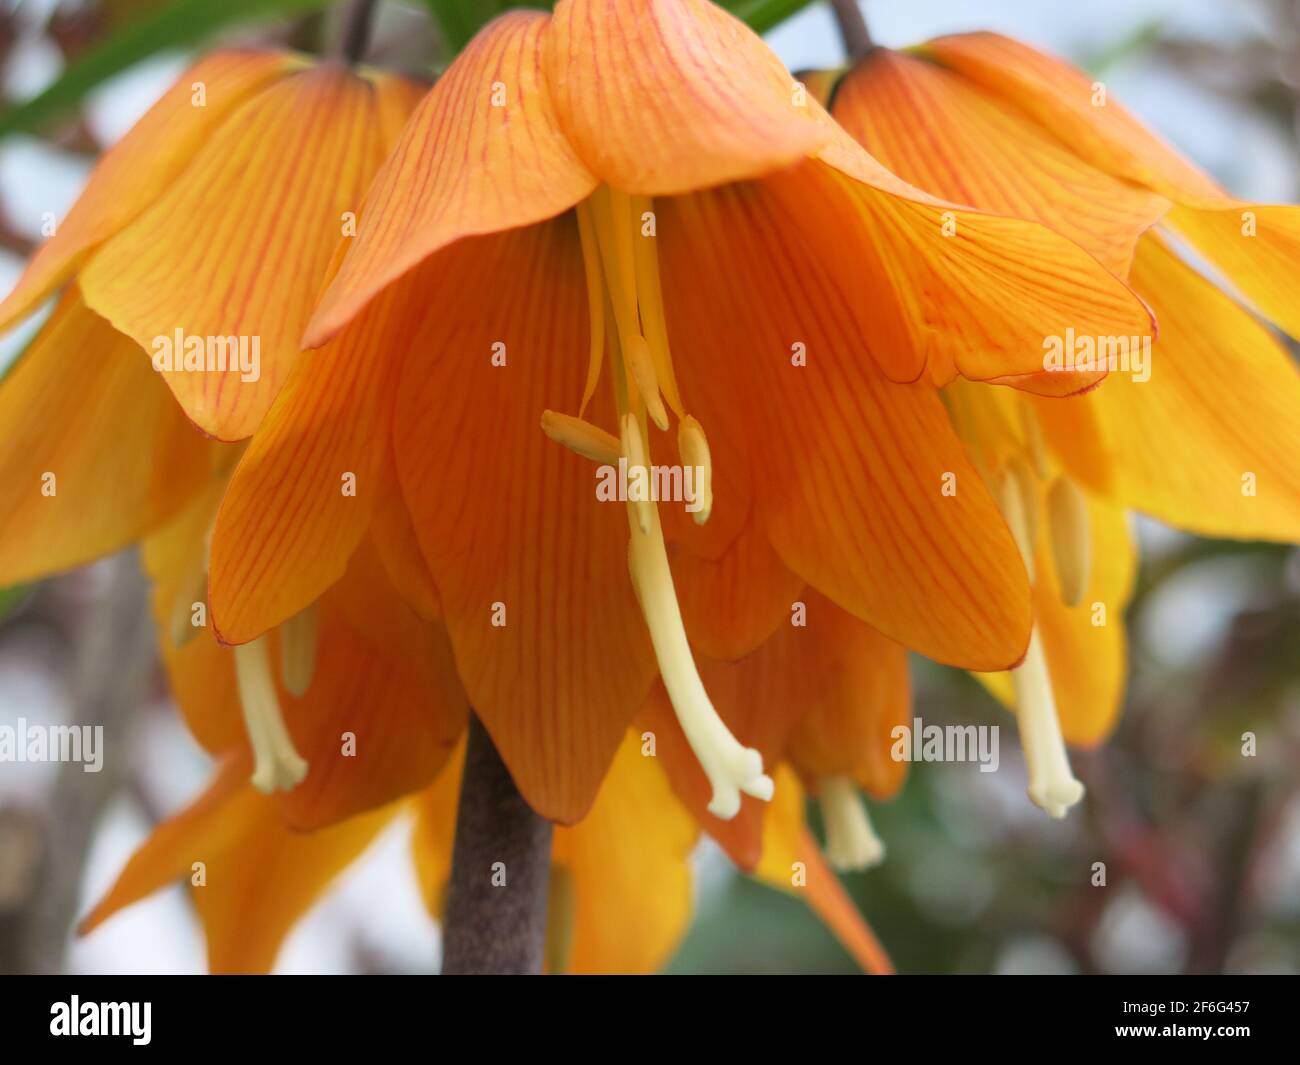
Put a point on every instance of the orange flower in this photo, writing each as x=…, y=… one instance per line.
x=617, y=903
x=631, y=211
x=378, y=718
x=823, y=693
x=254, y=163
x=240, y=174
x=1200, y=434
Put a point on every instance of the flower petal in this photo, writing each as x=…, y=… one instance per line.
x=135, y=172
x=956, y=140
x=1075, y=108
x=398, y=548
x=95, y=452
x=260, y=878
x=631, y=892
x=482, y=153
x=669, y=96
x=732, y=604
x=238, y=245
x=856, y=689
x=312, y=478
x=1257, y=246
x=808, y=670
x=200, y=671
x=1086, y=645
x=1087, y=648
x=936, y=287
x=850, y=467
x=531, y=568
x=793, y=863
x=385, y=707
x=1207, y=443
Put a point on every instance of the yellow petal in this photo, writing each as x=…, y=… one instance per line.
x=239, y=244
x=632, y=891
x=260, y=878
x=792, y=862
x=200, y=671
x=1207, y=443
x=94, y=453
x=953, y=138
x=1257, y=246
x=945, y=288
x=1073, y=107
x=1086, y=645
x=135, y=172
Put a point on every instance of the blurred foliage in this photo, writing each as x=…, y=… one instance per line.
x=179, y=24
x=11, y=598
x=461, y=19
x=1192, y=833
x=139, y=29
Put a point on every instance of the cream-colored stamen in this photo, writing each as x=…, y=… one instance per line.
x=851, y=841
x=1011, y=501
x=1067, y=516
x=1030, y=490
x=1034, y=443
x=276, y=763
x=621, y=262
x=1052, y=784
x=730, y=767
x=298, y=650
x=582, y=438
x=694, y=448
x=638, y=474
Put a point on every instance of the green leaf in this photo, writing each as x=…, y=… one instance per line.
x=461, y=19
x=762, y=15
x=11, y=598
x=179, y=24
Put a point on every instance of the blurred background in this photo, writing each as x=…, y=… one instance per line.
x=1201, y=845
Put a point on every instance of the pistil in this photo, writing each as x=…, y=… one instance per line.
x=851, y=841
x=277, y=765
x=623, y=284
x=298, y=650
x=1052, y=785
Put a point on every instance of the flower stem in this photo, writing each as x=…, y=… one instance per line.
x=500, y=871
x=357, y=21
x=853, y=28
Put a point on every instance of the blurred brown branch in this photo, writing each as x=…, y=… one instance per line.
x=44, y=857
